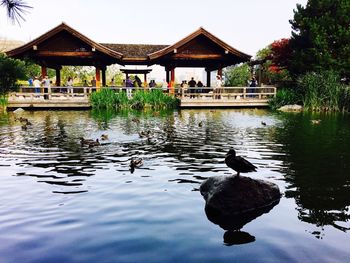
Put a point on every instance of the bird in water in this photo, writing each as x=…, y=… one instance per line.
x=89, y=142
x=315, y=121
x=238, y=163
x=135, y=163
x=263, y=123
x=104, y=137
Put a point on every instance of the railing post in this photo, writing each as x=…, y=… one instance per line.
x=49, y=92
x=244, y=92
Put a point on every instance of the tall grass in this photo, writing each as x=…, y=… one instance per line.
x=284, y=97
x=322, y=91
x=107, y=98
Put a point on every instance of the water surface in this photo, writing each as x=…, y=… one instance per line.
x=64, y=202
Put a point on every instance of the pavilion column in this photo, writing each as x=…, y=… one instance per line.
x=103, y=77
x=58, y=77
x=208, y=77
x=172, y=78
x=167, y=71
x=145, y=77
x=98, y=78
x=43, y=71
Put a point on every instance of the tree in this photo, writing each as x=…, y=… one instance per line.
x=321, y=37
x=10, y=71
x=15, y=9
x=274, y=60
x=237, y=76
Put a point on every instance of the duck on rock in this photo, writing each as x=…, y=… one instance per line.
x=238, y=163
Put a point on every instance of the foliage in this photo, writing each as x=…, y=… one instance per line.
x=284, y=97
x=10, y=71
x=113, y=71
x=237, y=76
x=322, y=91
x=15, y=9
x=321, y=37
x=275, y=58
x=80, y=74
x=108, y=98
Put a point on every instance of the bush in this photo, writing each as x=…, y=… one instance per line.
x=322, y=91
x=10, y=71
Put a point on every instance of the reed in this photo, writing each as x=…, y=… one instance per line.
x=107, y=98
x=284, y=97
x=322, y=91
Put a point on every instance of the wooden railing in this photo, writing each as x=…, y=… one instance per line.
x=228, y=93
x=205, y=93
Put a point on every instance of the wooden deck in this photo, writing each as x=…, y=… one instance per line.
x=78, y=97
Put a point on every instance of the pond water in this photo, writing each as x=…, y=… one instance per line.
x=63, y=202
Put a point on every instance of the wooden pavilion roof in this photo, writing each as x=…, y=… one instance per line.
x=64, y=45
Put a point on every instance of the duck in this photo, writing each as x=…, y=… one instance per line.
x=144, y=134
x=316, y=121
x=238, y=163
x=89, y=142
x=200, y=124
x=135, y=163
x=104, y=137
x=263, y=123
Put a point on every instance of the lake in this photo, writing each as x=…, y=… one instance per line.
x=64, y=202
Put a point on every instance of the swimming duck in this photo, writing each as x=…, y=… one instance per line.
x=135, y=163
x=263, y=123
x=238, y=163
x=104, y=137
x=89, y=142
x=315, y=121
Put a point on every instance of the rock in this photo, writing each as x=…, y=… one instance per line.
x=288, y=108
x=19, y=110
x=233, y=201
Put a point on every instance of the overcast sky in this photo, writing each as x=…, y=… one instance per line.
x=247, y=25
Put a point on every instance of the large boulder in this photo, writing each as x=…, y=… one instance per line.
x=233, y=201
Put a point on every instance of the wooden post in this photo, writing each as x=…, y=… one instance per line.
x=43, y=71
x=104, y=77
x=145, y=77
x=208, y=77
x=167, y=75
x=58, y=77
x=98, y=78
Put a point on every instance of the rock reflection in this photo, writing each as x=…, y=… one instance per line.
x=233, y=223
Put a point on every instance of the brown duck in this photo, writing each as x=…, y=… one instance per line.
x=238, y=163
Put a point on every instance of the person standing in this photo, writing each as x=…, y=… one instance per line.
x=129, y=85
x=192, y=84
x=37, y=85
x=218, y=87
x=70, y=85
x=46, y=84
x=165, y=86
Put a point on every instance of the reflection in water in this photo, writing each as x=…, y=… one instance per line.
x=317, y=158
x=233, y=223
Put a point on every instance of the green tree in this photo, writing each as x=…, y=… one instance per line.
x=321, y=37
x=237, y=76
x=10, y=71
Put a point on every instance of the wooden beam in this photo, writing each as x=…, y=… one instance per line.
x=58, y=77
x=198, y=56
x=65, y=53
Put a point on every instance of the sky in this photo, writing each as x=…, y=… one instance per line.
x=247, y=25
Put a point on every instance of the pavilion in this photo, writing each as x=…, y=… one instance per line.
x=64, y=46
